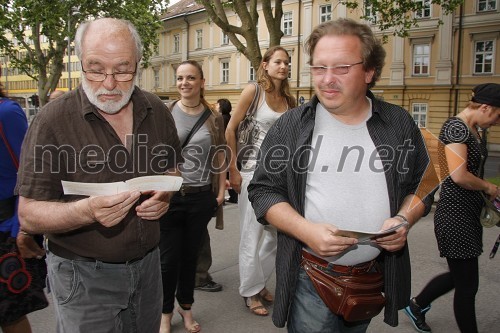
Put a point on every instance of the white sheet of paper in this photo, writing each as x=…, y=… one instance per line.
x=146, y=183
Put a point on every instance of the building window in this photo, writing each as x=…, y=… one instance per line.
x=199, y=39
x=325, y=13
x=177, y=42
x=486, y=5
x=224, y=68
x=286, y=26
x=421, y=59
x=425, y=10
x=251, y=73
x=290, y=71
x=139, y=78
x=419, y=113
x=156, y=73
x=225, y=39
x=370, y=14
x=483, y=57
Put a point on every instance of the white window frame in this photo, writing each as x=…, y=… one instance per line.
x=485, y=55
x=426, y=11
x=483, y=5
x=177, y=43
x=369, y=13
x=252, y=73
x=287, y=23
x=199, y=38
x=419, y=113
x=224, y=39
x=139, y=78
x=290, y=70
x=421, y=60
x=325, y=13
x=224, y=71
x=156, y=75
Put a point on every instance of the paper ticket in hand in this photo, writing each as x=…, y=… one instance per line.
x=364, y=236
x=146, y=183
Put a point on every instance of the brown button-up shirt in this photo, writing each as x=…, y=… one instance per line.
x=70, y=140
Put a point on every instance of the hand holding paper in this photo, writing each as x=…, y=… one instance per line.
x=142, y=184
x=365, y=236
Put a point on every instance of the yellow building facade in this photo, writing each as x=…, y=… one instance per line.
x=430, y=73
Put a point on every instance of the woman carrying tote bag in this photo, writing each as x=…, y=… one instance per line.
x=256, y=259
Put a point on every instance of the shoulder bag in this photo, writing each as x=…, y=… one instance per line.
x=197, y=125
x=21, y=280
x=490, y=214
x=248, y=129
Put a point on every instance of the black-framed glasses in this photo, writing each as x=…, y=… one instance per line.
x=337, y=70
x=117, y=76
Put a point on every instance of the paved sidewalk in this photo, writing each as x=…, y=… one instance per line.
x=225, y=311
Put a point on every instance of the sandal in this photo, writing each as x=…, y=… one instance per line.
x=266, y=295
x=255, y=305
x=194, y=327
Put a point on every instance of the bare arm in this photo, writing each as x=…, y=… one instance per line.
x=411, y=210
x=221, y=159
x=54, y=217
x=318, y=236
x=232, y=127
x=456, y=157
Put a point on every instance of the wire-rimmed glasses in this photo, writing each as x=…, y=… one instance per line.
x=337, y=70
x=117, y=76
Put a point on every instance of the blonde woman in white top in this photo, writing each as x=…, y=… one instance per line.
x=256, y=258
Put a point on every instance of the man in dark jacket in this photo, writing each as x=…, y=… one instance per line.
x=344, y=160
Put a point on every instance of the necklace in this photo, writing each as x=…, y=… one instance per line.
x=192, y=107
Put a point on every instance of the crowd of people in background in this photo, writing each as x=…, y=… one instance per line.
x=141, y=252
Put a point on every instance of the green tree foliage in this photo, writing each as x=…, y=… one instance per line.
x=397, y=17
x=390, y=16
x=33, y=23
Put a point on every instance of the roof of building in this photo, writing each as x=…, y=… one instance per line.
x=181, y=8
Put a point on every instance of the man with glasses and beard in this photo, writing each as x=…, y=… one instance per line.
x=102, y=251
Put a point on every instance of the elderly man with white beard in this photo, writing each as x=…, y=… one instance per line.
x=102, y=251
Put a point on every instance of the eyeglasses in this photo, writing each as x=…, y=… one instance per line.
x=337, y=70
x=117, y=76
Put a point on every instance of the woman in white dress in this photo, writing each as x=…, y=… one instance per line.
x=256, y=257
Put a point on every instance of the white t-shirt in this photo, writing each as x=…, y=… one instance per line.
x=346, y=185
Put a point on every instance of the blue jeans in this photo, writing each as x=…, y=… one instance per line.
x=309, y=314
x=101, y=297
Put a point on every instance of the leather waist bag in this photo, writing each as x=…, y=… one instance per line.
x=354, y=297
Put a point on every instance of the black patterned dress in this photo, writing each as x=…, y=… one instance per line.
x=456, y=220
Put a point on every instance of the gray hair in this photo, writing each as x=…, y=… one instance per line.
x=114, y=24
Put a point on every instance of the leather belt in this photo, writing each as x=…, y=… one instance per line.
x=67, y=254
x=186, y=189
x=349, y=270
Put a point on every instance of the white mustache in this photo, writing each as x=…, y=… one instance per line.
x=108, y=92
